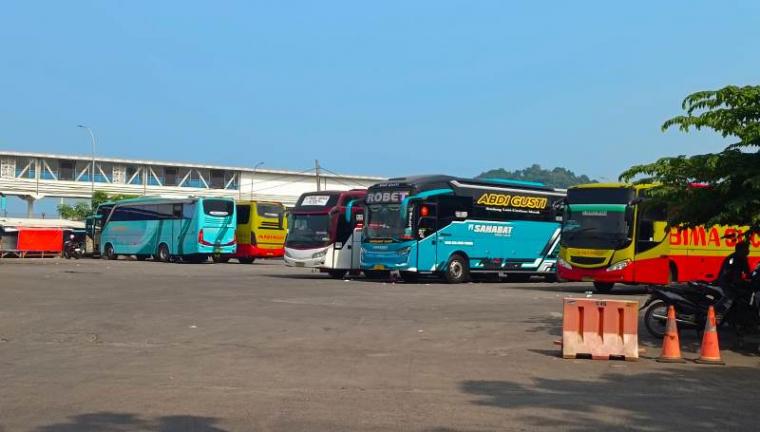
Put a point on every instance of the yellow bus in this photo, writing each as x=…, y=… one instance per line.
x=261, y=230
x=611, y=234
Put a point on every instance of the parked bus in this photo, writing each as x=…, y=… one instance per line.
x=324, y=231
x=454, y=227
x=261, y=230
x=613, y=234
x=166, y=228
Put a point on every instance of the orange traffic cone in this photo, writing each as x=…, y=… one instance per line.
x=671, y=346
x=710, y=351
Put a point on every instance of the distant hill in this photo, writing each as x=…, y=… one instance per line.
x=557, y=177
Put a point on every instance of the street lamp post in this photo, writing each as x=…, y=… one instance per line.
x=252, y=176
x=92, y=170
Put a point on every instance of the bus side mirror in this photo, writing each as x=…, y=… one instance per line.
x=636, y=201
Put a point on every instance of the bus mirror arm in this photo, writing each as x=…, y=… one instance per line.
x=636, y=201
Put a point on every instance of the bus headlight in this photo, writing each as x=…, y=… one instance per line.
x=405, y=250
x=319, y=254
x=620, y=265
x=564, y=264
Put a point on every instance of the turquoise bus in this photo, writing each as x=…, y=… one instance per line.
x=166, y=229
x=455, y=227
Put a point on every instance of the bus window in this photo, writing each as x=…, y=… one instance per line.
x=177, y=211
x=220, y=208
x=345, y=229
x=243, y=214
x=452, y=208
x=269, y=210
x=188, y=210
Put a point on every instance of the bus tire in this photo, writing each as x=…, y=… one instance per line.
x=337, y=274
x=457, y=270
x=603, y=287
x=247, y=260
x=163, y=254
x=109, y=253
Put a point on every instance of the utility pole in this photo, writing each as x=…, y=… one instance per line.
x=92, y=170
x=319, y=182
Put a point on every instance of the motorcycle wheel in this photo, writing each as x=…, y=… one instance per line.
x=655, y=318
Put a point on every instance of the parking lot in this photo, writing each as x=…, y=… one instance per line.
x=126, y=345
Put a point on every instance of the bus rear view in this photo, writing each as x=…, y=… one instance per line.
x=324, y=232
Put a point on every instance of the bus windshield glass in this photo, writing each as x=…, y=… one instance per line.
x=220, y=208
x=269, y=210
x=308, y=231
x=596, y=226
x=384, y=223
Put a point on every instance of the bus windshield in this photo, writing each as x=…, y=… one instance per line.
x=269, y=210
x=384, y=222
x=308, y=231
x=216, y=207
x=604, y=226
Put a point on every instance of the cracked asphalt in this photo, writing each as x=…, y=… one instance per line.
x=94, y=345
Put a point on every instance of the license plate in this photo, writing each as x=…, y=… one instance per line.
x=587, y=279
x=217, y=250
x=378, y=267
x=299, y=264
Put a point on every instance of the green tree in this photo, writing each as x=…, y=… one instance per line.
x=82, y=209
x=713, y=188
x=557, y=177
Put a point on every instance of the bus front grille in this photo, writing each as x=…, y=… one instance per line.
x=587, y=260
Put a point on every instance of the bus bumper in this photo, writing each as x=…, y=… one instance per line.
x=386, y=260
x=579, y=274
x=253, y=251
x=310, y=258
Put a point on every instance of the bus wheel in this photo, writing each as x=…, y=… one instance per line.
x=337, y=274
x=163, y=253
x=603, y=287
x=109, y=253
x=248, y=260
x=458, y=270
x=219, y=259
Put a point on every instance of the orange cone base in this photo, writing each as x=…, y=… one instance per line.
x=671, y=360
x=710, y=361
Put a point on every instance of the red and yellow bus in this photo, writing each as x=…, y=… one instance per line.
x=611, y=234
x=261, y=230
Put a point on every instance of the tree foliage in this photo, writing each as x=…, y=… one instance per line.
x=82, y=209
x=557, y=177
x=713, y=188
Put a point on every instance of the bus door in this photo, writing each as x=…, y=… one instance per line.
x=347, y=246
x=649, y=234
x=427, y=235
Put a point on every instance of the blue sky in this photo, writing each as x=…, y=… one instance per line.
x=383, y=88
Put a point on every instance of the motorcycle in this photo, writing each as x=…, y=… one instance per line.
x=72, y=248
x=692, y=300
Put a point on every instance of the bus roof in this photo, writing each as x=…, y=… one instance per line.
x=158, y=200
x=614, y=185
x=432, y=182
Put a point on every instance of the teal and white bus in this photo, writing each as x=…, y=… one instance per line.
x=190, y=229
x=455, y=227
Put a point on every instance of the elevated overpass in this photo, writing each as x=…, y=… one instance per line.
x=33, y=176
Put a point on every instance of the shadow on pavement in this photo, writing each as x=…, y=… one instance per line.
x=683, y=398
x=123, y=422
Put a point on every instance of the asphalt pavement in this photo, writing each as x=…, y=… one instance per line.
x=95, y=345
